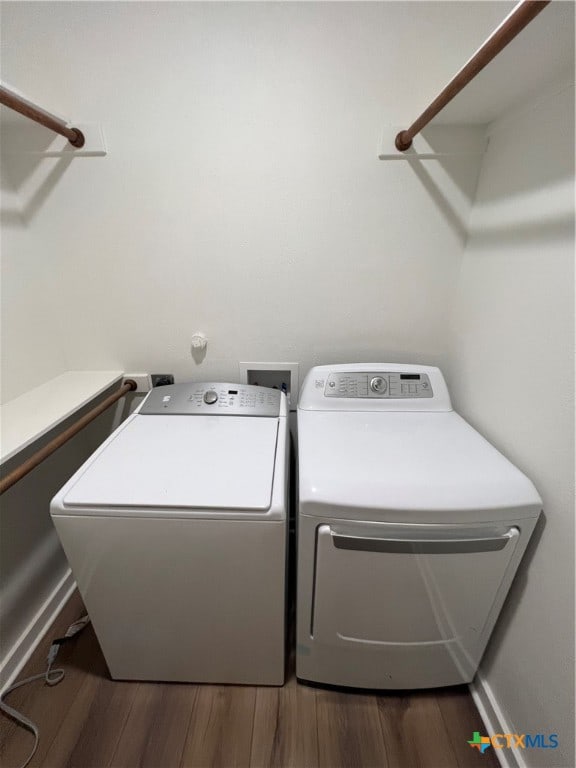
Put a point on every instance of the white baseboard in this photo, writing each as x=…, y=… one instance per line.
x=494, y=720
x=35, y=631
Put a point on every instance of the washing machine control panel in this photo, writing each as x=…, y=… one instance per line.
x=381, y=384
x=222, y=399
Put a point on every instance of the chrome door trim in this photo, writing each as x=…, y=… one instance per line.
x=415, y=546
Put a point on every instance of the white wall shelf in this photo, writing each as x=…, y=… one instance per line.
x=28, y=417
x=21, y=137
x=27, y=133
x=541, y=54
x=435, y=142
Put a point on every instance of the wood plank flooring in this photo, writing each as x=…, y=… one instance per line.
x=89, y=721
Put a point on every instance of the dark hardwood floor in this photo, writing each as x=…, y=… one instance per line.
x=89, y=721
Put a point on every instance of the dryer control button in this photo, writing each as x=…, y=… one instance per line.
x=378, y=384
x=210, y=397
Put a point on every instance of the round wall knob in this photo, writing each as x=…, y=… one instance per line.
x=378, y=384
x=210, y=397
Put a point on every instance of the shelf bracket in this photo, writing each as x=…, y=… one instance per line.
x=23, y=137
x=435, y=142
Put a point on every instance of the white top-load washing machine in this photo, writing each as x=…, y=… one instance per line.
x=175, y=530
x=410, y=529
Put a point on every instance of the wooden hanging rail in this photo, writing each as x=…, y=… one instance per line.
x=39, y=115
x=512, y=25
x=37, y=458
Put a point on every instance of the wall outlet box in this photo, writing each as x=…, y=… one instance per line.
x=143, y=381
x=282, y=376
x=161, y=379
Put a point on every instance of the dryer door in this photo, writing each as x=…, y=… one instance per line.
x=410, y=589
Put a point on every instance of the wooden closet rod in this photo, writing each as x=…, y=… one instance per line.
x=38, y=457
x=514, y=23
x=26, y=108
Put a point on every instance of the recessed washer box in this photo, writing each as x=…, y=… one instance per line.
x=282, y=376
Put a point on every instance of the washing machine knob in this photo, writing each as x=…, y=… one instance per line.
x=378, y=384
x=210, y=397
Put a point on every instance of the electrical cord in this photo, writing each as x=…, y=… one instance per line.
x=51, y=677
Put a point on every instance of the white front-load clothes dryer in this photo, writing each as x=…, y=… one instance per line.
x=410, y=529
x=175, y=530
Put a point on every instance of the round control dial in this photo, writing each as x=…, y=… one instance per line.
x=378, y=384
x=210, y=397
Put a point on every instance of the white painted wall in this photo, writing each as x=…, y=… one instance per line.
x=31, y=346
x=512, y=376
x=242, y=194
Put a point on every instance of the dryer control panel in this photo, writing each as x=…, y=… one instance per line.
x=218, y=398
x=374, y=387
x=378, y=384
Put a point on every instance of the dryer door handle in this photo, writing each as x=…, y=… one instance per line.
x=436, y=546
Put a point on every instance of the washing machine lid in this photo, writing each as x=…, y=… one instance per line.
x=195, y=462
x=406, y=467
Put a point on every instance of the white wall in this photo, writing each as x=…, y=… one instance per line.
x=512, y=376
x=31, y=345
x=242, y=194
